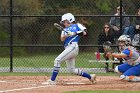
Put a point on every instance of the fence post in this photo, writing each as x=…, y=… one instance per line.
x=121, y=15
x=11, y=37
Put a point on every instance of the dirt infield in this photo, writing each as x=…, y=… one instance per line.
x=32, y=84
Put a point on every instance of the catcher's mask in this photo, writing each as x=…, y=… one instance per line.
x=124, y=41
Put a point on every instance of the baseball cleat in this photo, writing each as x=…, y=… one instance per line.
x=49, y=82
x=134, y=78
x=93, y=78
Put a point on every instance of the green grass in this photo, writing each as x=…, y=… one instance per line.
x=82, y=61
x=24, y=74
x=103, y=91
x=48, y=74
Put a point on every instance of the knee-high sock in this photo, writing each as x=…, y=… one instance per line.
x=86, y=75
x=55, y=73
x=80, y=73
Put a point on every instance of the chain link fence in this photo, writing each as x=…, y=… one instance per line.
x=29, y=42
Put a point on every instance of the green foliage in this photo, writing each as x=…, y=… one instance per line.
x=89, y=7
x=27, y=7
x=103, y=5
x=24, y=74
x=4, y=7
x=3, y=34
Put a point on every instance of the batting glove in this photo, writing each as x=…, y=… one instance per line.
x=69, y=33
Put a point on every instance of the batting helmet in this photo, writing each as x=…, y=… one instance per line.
x=69, y=17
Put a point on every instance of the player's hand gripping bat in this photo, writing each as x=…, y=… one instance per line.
x=59, y=27
x=69, y=33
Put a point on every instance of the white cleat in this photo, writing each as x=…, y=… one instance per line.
x=49, y=82
x=93, y=78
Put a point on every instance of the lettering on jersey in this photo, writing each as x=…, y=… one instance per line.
x=71, y=29
x=74, y=28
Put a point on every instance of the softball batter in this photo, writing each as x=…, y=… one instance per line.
x=70, y=36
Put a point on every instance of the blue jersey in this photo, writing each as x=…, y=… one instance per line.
x=74, y=38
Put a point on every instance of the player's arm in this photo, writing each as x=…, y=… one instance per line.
x=125, y=53
x=85, y=33
x=63, y=36
x=82, y=31
x=119, y=55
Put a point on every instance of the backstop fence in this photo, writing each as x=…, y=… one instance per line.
x=30, y=43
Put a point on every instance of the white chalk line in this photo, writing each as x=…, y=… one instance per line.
x=69, y=83
x=29, y=88
x=2, y=81
x=13, y=81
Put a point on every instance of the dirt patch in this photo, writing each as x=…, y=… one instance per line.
x=33, y=84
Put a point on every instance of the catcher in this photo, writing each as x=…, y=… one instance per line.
x=130, y=69
x=70, y=36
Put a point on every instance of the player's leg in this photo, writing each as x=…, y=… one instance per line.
x=66, y=54
x=132, y=74
x=122, y=68
x=71, y=67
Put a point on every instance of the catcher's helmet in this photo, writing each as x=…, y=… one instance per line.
x=125, y=38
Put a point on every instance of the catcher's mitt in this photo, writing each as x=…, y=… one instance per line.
x=107, y=49
x=107, y=46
